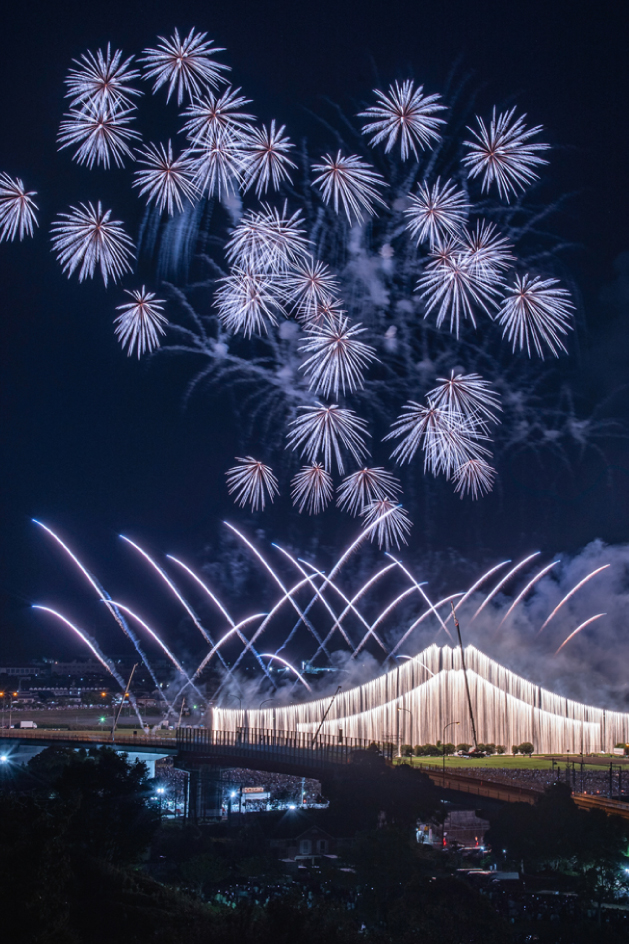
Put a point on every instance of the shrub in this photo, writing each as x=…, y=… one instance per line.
x=500, y=749
x=526, y=747
x=463, y=747
x=515, y=749
x=406, y=750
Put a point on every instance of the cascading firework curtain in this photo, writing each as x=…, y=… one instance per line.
x=415, y=701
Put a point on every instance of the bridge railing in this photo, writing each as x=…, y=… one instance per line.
x=322, y=750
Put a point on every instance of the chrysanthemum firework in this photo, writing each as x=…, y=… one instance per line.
x=446, y=437
x=405, y=112
x=268, y=240
x=216, y=166
x=17, y=209
x=102, y=133
x=212, y=118
x=501, y=152
x=312, y=489
x=361, y=488
x=349, y=183
x=453, y=286
x=86, y=237
x=186, y=65
x=337, y=358
x=387, y=523
x=141, y=322
x=102, y=80
x=247, y=302
x=309, y=286
x=467, y=395
x=327, y=431
x=474, y=477
x=536, y=313
x=251, y=482
x=266, y=160
x=437, y=212
x=166, y=180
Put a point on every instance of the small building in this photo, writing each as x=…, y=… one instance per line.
x=297, y=838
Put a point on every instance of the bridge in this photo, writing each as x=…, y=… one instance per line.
x=201, y=752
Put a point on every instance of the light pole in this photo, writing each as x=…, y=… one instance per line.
x=408, y=710
x=443, y=744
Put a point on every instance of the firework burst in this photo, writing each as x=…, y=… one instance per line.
x=312, y=489
x=141, y=322
x=185, y=65
x=337, y=358
x=349, y=183
x=17, y=209
x=360, y=489
x=86, y=237
x=252, y=483
x=328, y=430
x=405, y=112
x=502, y=154
x=536, y=313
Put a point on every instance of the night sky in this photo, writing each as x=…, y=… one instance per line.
x=95, y=443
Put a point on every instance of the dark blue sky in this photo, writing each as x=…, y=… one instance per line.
x=96, y=444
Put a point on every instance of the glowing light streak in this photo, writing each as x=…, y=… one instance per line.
x=92, y=645
x=204, y=587
x=478, y=583
x=502, y=582
x=571, y=593
x=106, y=599
x=385, y=612
x=173, y=588
x=268, y=655
x=421, y=619
x=418, y=587
x=529, y=585
x=314, y=587
x=216, y=646
x=578, y=630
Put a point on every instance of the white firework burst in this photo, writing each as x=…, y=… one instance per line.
x=268, y=241
x=141, y=322
x=251, y=482
x=361, y=488
x=212, y=118
x=17, y=209
x=453, y=285
x=248, y=302
x=102, y=80
x=436, y=213
x=310, y=285
x=312, y=489
x=502, y=154
x=407, y=112
x=187, y=65
x=475, y=477
x=86, y=237
x=468, y=395
x=350, y=183
x=327, y=430
x=266, y=158
x=536, y=313
x=337, y=358
x=487, y=251
x=446, y=438
x=387, y=523
x=101, y=131
x=166, y=180
x=216, y=166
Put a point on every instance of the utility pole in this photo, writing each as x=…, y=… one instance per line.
x=467, y=687
x=327, y=711
x=125, y=696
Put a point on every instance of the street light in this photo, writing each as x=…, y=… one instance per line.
x=443, y=744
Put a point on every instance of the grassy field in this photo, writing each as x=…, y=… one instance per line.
x=513, y=761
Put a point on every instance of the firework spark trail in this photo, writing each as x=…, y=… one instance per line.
x=418, y=587
x=288, y=594
x=356, y=597
x=106, y=599
x=93, y=646
x=345, y=600
x=314, y=587
x=269, y=616
x=220, y=606
x=357, y=612
x=173, y=588
x=476, y=585
x=268, y=655
x=521, y=595
x=571, y=593
x=578, y=630
x=385, y=612
x=401, y=596
x=215, y=647
x=502, y=582
x=160, y=643
x=419, y=662
x=421, y=619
